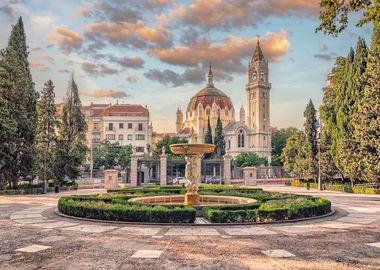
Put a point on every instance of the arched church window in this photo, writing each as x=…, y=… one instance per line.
x=241, y=139
x=226, y=112
x=208, y=111
x=229, y=144
x=262, y=76
x=254, y=75
x=218, y=112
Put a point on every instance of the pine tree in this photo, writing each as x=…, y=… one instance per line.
x=17, y=88
x=219, y=139
x=310, y=146
x=208, y=135
x=70, y=150
x=366, y=120
x=46, y=127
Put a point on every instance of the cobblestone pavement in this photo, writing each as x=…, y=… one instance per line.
x=34, y=237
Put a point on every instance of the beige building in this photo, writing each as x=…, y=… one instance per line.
x=123, y=123
x=251, y=133
x=209, y=102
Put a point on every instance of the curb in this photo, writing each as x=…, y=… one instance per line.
x=56, y=211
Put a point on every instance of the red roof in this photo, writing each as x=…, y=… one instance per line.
x=126, y=110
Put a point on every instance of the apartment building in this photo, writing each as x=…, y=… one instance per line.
x=122, y=123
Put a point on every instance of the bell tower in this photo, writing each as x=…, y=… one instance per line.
x=258, y=94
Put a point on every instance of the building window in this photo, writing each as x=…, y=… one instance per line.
x=96, y=138
x=139, y=149
x=96, y=125
x=207, y=111
x=140, y=126
x=110, y=137
x=265, y=138
x=262, y=76
x=140, y=137
x=226, y=112
x=129, y=125
x=110, y=126
x=130, y=137
x=264, y=116
x=229, y=144
x=241, y=139
x=121, y=125
x=121, y=137
x=263, y=126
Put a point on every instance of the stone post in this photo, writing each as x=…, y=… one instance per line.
x=163, y=172
x=227, y=168
x=134, y=159
x=110, y=179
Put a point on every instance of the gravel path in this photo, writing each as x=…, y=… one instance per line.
x=34, y=237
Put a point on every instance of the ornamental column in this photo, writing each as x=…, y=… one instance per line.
x=134, y=159
x=227, y=168
x=163, y=168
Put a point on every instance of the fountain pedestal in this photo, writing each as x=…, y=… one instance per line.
x=193, y=153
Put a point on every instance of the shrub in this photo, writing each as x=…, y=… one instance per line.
x=132, y=212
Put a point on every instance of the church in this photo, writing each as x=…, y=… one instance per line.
x=248, y=134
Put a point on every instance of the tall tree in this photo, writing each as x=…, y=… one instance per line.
x=8, y=131
x=247, y=159
x=17, y=88
x=219, y=139
x=165, y=142
x=310, y=146
x=46, y=127
x=70, y=150
x=208, y=134
x=279, y=139
x=293, y=154
x=366, y=119
x=334, y=14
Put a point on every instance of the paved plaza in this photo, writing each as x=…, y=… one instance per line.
x=34, y=237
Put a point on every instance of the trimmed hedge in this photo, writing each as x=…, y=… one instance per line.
x=105, y=209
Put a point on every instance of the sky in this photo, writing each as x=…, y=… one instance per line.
x=157, y=52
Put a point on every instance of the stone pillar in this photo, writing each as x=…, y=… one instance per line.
x=110, y=178
x=134, y=159
x=227, y=169
x=163, y=172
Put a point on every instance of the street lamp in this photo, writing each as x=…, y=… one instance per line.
x=319, y=135
x=46, y=141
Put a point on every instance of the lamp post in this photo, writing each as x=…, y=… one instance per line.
x=46, y=141
x=319, y=152
x=91, y=166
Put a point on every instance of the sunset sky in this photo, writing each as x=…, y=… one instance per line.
x=156, y=52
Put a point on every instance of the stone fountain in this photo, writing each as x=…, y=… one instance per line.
x=193, y=153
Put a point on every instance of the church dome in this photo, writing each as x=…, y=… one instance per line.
x=209, y=95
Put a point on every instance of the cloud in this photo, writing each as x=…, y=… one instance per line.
x=37, y=65
x=227, y=14
x=227, y=55
x=128, y=62
x=325, y=57
x=94, y=69
x=11, y=8
x=170, y=78
x=67, y=39
x=111, y=93
x=46, y=57
x=131, y=78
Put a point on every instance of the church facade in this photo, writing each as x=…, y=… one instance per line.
x=251, y=133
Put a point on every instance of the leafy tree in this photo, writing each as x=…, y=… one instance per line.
x=366, y=119
x=279, y=139
x=8, y=129
x=46, y=126
x=17, y=88
x=293, y=154
x=165, y=142
x=310, y=146
x=219, y=139
x=71, y=151
x=334, y=14
x=109, y=155
x=248, y=159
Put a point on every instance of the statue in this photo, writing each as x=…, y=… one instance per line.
x=192, y=173
x=163, y=150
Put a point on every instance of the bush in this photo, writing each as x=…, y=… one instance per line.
x=110, y=208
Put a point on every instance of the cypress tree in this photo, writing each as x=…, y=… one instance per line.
x=208, y=135
x=17, y=88
x=219, y=139
x=70, y=149
x=366, y=120
x=310, y=146
x=46, y=127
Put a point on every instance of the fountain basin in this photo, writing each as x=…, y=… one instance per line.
x=192, y=148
